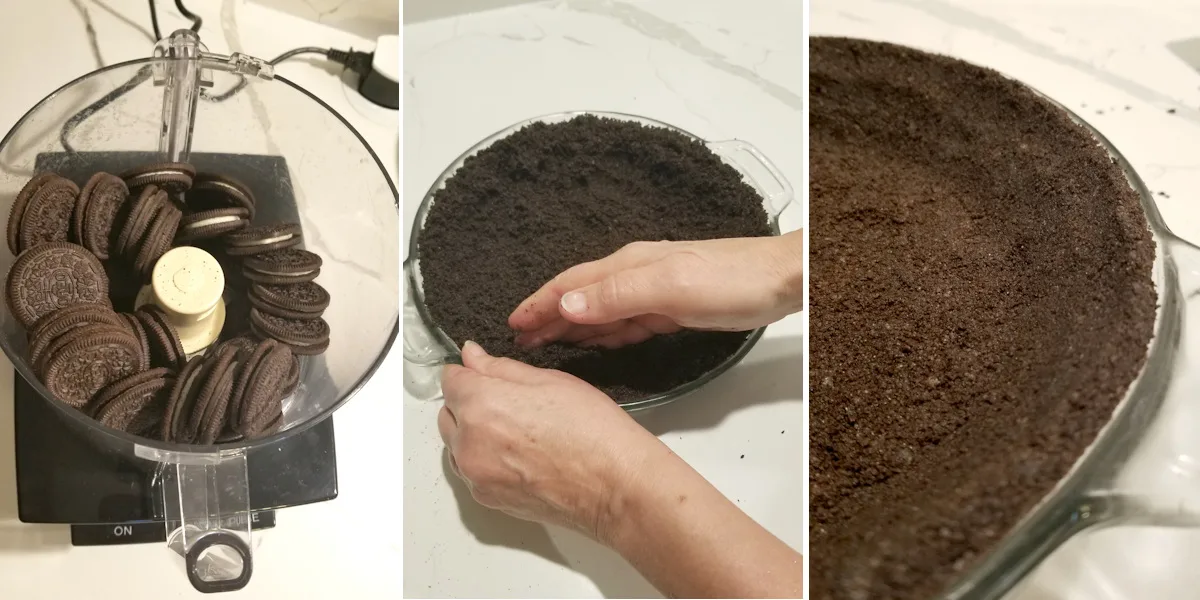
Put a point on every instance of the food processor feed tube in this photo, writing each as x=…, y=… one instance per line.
x=206, y=499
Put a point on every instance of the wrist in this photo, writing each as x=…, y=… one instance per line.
x=630, y=494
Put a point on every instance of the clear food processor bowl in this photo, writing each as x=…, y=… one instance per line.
x=427, y=346
x=178, y=106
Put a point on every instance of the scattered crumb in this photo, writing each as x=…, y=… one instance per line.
x=743, y=456
x=1164, y=195
x=1127, y=107
x=1170, y=111
x=1099, y=112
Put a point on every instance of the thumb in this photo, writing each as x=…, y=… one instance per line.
x=622, y=295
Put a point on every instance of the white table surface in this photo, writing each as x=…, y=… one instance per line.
x=1121, y=65
x=718, y=69
x=350, y=545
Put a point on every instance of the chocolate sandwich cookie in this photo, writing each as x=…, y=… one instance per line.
x=46, y=217
x=295, y=301
x=179, y=403
x=52, y=276
x=305, y=337
x=165, y=348
x=262, y=238
x=142, y=210
x=175, y=178
x=18, y=208
x=158, y=237
x=291, y=265
x=209, y=414
x=123, y=385
x=49, y=328
x=256, y=395
x=292, y=381
x=91, y=358
x=139, y=410
x=209, y=224
x=102, y=199
x=212, y=191
x=139, y=332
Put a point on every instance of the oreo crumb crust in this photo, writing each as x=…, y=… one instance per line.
x=981, y=299
x=551, y=196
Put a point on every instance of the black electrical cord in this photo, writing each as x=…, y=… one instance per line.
x=357, y=61
x=195, y=19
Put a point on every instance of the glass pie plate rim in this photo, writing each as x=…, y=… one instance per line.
x=426, y=345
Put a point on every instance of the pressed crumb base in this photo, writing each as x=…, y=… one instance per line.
x=981, y=299
x=551, y=196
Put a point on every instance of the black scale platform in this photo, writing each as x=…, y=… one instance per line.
x=108, y=497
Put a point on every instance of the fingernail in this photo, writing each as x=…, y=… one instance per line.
x=472, y=349
x=575, y=303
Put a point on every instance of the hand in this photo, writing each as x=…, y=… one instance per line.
x=540, y=445
x=649, y=288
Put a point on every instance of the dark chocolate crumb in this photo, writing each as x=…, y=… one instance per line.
x=1020, y=282
x=551, y=196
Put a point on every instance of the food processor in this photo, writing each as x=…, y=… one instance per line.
x=304, y=163
x=426, y=346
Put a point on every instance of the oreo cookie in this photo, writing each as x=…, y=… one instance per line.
x=179, y=403
x=52, y=276
x=88, y=360
x=103, y=198
x=209, y=413
x=134, y=404
x=257, y=398
x=18, y=208
x=46, y=216
x=304, y=336
x=295, y=301
x=262, y=238
x=165, y=348
x=49, y=328
x=209, y=224
x=212, y=191
x=291, y=265
x=157, y=239
x=175, y=178
x=144, y=208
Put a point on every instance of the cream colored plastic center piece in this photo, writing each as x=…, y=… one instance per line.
x=187, y=283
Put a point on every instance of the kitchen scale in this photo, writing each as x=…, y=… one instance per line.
x=304, y=163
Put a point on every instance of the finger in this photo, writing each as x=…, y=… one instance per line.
x=622, y=295
x=461, y=385
x=541, y=308
x=447, y=426
x=659, y=324
x=551, y=332
x=454, y=467
x=578, y=333
x=632, y=333
x=507, y=369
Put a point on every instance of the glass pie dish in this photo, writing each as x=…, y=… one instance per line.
x=1131, y=473
x=426, y=345
x=229, y=114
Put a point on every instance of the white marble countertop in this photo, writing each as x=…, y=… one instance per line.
x=718, y=69
x=350, y=545
x=1130, y=68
